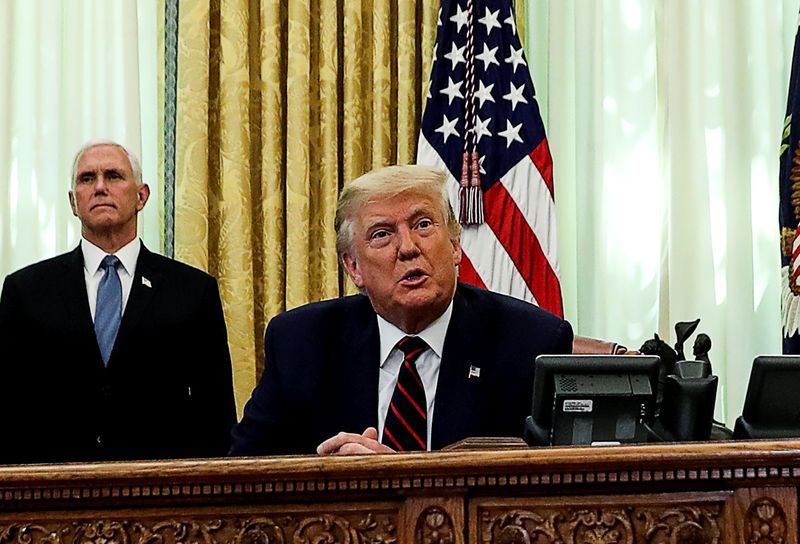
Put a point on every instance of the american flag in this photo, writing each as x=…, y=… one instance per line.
x=482, y=125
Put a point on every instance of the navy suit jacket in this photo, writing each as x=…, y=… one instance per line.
x=321, y=372
x=166, y=392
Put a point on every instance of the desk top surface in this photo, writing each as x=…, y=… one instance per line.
x=731, y=455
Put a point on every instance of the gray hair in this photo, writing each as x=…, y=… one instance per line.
x=136, y=166
x=387, y=182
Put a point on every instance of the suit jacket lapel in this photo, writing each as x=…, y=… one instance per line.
x=142, y=292
x=76, y=303
x=459, y=399
x=357, y=372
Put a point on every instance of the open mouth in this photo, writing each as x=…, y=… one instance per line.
x=414, y=276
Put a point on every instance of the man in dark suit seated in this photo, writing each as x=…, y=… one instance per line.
x=416, y=362
x=111, y=351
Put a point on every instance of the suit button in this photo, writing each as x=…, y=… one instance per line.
x=99, y=440
x=105, y=390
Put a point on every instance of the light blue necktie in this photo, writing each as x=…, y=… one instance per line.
x=108, y=312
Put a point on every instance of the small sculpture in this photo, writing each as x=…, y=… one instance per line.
x=656, y=346
x=670, y=356
x=683, y=330
x=701, y=347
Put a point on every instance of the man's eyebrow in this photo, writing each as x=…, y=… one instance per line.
x=106, y=172
x=376, y=222
x=421, y=209
x=414, y=213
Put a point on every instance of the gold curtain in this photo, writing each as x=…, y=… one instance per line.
x=279, y=104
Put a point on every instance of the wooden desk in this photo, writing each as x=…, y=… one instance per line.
x=687, y=493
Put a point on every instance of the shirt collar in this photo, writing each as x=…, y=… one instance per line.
x=433, y=334
x=127, y=255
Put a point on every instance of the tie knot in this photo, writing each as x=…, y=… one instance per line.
x=412, y=346
x=109, y=261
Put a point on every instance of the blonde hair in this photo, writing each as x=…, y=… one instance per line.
x=387, y=182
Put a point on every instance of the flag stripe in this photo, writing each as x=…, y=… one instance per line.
x=468, y=274
x=532, y=196
x=519, y=241
x=544, y=164
x=493, y=264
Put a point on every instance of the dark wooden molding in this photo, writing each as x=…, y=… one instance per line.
x=714, y=492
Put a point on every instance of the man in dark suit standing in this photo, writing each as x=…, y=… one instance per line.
x=416, y=362
x=111, y=351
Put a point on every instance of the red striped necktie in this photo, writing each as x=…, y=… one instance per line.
x=406, y=426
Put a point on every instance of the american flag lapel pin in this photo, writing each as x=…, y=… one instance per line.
x=146, y=282
x=474, y=372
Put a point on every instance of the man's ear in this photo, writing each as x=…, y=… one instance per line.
x=351, y=267
x=143, y=194
x=72, y=203
x=457, y=251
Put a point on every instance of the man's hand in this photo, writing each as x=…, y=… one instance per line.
x=354, y=444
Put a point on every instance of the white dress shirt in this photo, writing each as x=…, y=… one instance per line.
x=93, y=256
x=428, y=363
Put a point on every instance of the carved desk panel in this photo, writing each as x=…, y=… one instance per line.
x=677, y=494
